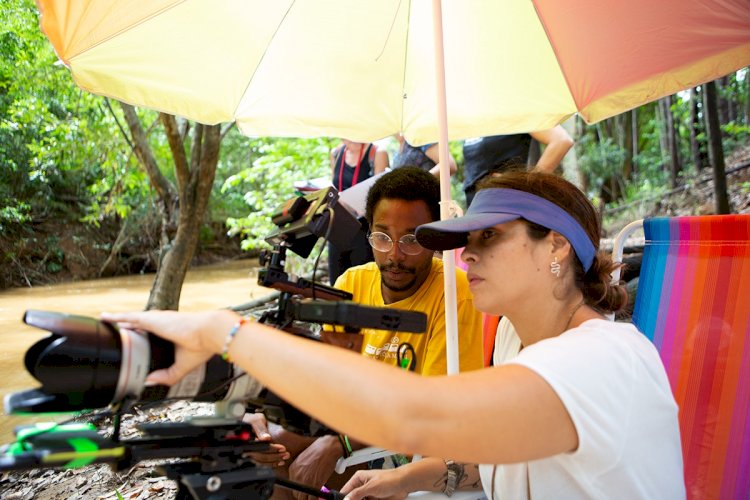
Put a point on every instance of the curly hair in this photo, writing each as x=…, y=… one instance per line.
x=405, y=183
x=596, y=283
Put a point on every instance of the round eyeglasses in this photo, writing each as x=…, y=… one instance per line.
x=383, y=243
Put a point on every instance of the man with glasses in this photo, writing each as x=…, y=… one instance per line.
x=406, y=276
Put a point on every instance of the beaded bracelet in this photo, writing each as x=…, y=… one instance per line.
x=230, y=337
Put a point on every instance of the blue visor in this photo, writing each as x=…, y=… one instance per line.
x=498, y=205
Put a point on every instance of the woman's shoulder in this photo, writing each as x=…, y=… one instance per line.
x=605, y=325
x=596, y=348
x=599, y=338
x=609, y=339
x=600, y=330
x=616, y=331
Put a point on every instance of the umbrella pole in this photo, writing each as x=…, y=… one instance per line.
x=449, y=257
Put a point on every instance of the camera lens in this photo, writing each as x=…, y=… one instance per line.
x=86, y=363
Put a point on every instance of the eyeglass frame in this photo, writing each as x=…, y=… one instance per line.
x=400, y=243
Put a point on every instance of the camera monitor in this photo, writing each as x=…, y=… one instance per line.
x=302, y=220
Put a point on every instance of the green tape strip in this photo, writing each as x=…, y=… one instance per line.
x=83, y=448
x=82, y=458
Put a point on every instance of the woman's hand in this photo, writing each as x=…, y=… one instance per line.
x=195, y=335
x=383, y=483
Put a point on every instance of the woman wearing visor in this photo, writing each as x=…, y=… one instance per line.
x=576, y=407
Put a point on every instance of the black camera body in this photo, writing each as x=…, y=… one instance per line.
x=301, y=221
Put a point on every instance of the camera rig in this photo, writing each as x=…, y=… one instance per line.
x=212, y=450
x=300, y=222
x=213, y=465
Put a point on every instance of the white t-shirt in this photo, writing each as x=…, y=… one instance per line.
x=613, y=384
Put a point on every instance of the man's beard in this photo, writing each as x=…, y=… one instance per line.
x=403, y=269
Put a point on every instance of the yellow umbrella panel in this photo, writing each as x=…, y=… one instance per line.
x=364, y=69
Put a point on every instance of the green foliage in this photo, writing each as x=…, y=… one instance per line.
x=735, y=134
x=54, y=257
x=600, y=158
x=649, y=160
x=268, y=181
x=60, y=149
x=13, y=215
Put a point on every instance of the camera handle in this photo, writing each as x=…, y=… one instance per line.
x=255, y=483
x=249, y=482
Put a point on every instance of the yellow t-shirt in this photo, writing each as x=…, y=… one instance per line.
x=363, y=282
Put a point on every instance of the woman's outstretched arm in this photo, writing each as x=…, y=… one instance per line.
x=499, y=415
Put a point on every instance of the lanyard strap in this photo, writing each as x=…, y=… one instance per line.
x=343, y=165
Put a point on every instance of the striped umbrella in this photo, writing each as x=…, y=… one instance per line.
x=365, y=69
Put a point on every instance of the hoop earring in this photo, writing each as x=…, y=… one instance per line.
x=554, y=267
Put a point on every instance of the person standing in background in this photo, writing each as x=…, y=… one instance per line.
x=351, y=163
x=485, y=155
x=425, y=157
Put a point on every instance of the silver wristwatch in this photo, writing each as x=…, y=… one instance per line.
x=454, y=471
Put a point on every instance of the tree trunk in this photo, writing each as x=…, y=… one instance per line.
x=166, y=197
x=164, y=190
x=663, y=141
x=716, y=153
x=695, y=129
x=674, y=144
x=625, y=141
x=584, y=182
x=194, y=183
x=569, y=164
x=600, y=137
x=722, y=105
x=182, y=207
x=669, y=142
x=634, y=138
x=731, y=101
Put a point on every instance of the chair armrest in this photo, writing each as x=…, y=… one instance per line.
x=361, y=456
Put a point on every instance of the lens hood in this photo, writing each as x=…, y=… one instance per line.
x=78, y=364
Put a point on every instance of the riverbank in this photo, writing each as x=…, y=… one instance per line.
x=49, y=251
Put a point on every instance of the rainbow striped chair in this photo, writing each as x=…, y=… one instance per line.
x=693, y=302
